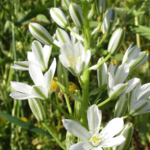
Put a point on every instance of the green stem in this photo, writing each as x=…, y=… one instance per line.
x=125, y=117
x=95, y=67
x=85, y=97
x=75, y=34
x=68, y=104
x=98, y=96
x=86, y=74
x=137, y=35
x=55, y=3
x=61, y=110
x=81, y=82
x=101, y=41
x=54, y=136
x=104, y=102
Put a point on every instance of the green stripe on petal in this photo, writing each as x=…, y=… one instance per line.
x=40, y=33
x=127, y=132
x=59, y=17
x=76, y=15
x=37, y=48
x=37, y=109
x=40, y=92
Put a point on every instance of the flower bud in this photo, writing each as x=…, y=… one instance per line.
x=102, y=73
x=59, y=17
x=121, y=106
x=76, y=15
x=37, y=109
x=40, y=33
x=109, y=21
x=127, y=132
x=101, y=6
x=116, y=40
x=133, y=57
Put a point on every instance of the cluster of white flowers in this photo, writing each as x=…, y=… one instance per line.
x=75, y=56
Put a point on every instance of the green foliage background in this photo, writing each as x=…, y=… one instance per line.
x=15, y=41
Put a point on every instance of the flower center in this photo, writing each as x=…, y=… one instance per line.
x=78, y=59
x=95, y=140
x=71, y=60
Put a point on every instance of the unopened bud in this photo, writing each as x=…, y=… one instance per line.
x=109, y=21
x=116, y=40
x=76, y=15
x=40, y=33
x=59, y=17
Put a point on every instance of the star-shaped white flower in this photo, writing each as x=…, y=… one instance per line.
x=74, y=58
x=39, y=55
x=41, y=87
x=93, y=139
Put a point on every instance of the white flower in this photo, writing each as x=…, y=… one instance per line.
x=138, y=99
x=41, y=87
x=133, y=57
x=93, y=139
x=39, y=55
x=116, y=78
x=74, y=58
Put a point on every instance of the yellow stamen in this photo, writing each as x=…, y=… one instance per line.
x=79, y=60
x=71, y=61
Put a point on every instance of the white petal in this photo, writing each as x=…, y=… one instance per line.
x=78, y=146
x=94, y=116
x=40, y=92
x=87, y=57
x=111, y=81
x=21, y=87
x=37, y=50
x=48, y=76
x=21, y=65
x=63, y=37
x=122, y=73
x=31, y=57
x=131, y=84
x=144, y=91
x=64, y=60
x=73, y=38
x=75, y=72
x=117, y=90
x=129, y=53
x=114, y=141
x=36, y=74
x=47, y=50
x=76, y=129
x=67, y=50
x=139, y=105
x=21, y=96
x=112, y=69
x=97, y=148
x=113, y=127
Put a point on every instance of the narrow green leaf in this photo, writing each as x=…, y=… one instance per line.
x=24, y=125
